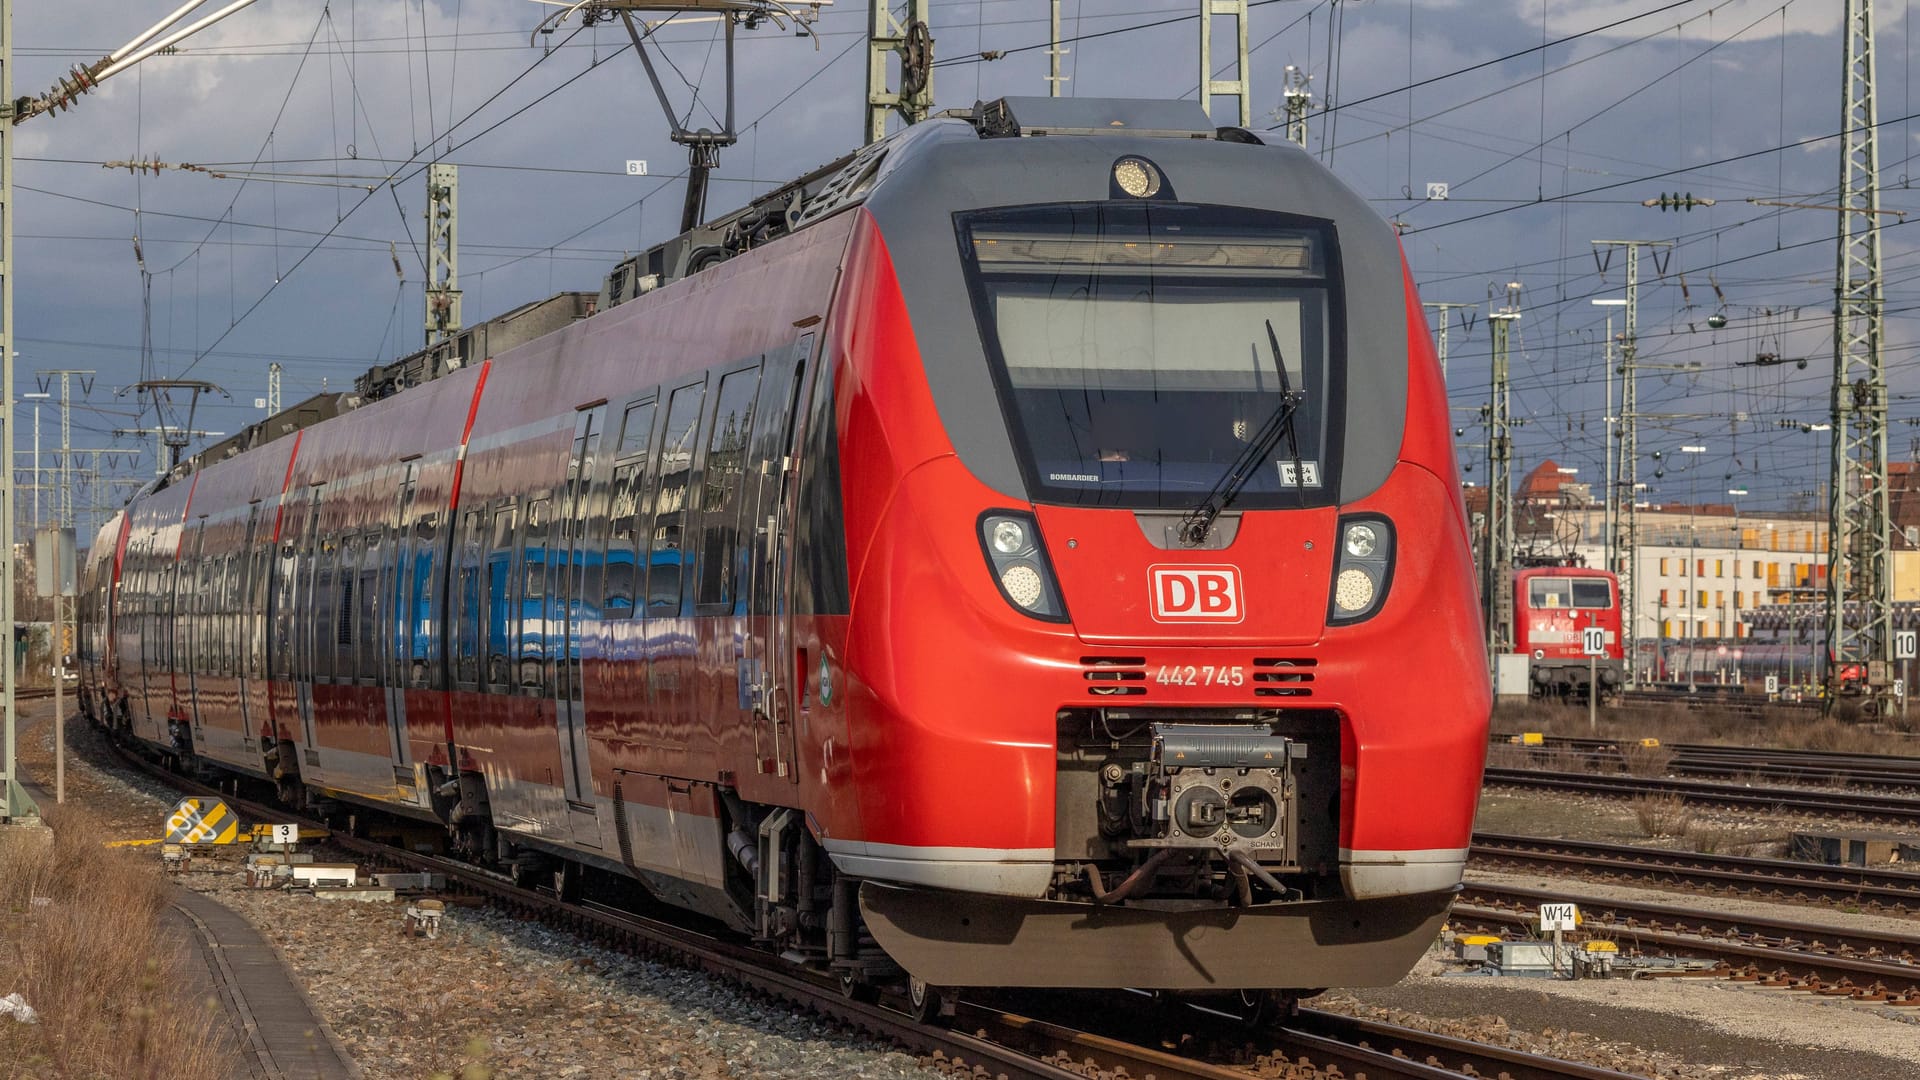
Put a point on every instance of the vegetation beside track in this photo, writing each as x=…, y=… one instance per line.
x=1792, y=729
x=81, y=939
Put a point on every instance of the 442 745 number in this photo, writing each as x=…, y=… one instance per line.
x=1200, y=675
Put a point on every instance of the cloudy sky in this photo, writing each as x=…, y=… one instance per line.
x=1551, y=120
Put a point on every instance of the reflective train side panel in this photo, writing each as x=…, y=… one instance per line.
x=1027, y=554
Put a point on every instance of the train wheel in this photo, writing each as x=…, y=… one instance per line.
x=566, y=880
x=855, y=987
x=1262, y=1009
x=523, y=870
x=927, y=1004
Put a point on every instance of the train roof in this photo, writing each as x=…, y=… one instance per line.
x=837, y=186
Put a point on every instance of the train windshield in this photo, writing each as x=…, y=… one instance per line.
x=1140, y=347
x=1570, y=592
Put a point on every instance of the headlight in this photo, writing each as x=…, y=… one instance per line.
x=1023, y=585
x=1363, y=570
x=1011, y=542
x=1353, y=591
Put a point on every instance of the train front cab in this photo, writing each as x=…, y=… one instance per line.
x=1554, y=605
x=1089, y=742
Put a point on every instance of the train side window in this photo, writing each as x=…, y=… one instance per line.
x=502, y=620
x=201, y=603
x=820, y=544
x=169, y=574
x=305, y=591
x=323, y=604
x=721, y=474
x=367, y=628
x=347, y=576
x=213, y=616
x=192, y=603
x=665, y=553
x=215, y=619
x=230, y=616
x=537, y=605
x=423, y=658
x=629, y=487
x=636, y=431
x=465, y=607
x=206, y=621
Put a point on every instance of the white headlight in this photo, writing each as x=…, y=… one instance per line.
x=1022, y=583
x=1008, y=537
x=1353, y=589
x=1361, y=540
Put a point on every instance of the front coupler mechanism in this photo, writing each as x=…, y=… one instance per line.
x=1211, y=791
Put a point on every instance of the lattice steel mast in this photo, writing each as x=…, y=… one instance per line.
x=1497, y=550
x=1623, y=493
x=443, y=252
x=1240, y=86
x=910, y=39
x=1859, y=552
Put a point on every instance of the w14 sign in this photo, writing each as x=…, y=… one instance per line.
x=1559, y=917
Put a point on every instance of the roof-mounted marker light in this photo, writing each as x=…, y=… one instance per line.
x=1136, y=177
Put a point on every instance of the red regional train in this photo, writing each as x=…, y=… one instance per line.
x=1553, y=606
x=993, y=559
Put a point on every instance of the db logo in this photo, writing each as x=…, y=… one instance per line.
x=1195, y=593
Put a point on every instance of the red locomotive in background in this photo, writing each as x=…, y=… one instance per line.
x=1002, y=559
x=1553, y=607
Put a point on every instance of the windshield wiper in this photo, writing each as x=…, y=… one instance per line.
x=1199, y=521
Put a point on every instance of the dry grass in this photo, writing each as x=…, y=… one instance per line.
x=81, y=940
x=1646, y=760
x=1717, y=840
x=1788, y=729
x=1662, y=815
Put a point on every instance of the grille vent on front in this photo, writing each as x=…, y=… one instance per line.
x=1116, y=676
x=1281, y=677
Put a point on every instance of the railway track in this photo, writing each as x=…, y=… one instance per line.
x=1818, y=956
x=1778, y=880
x=1746, y=763
x=1728, y=699
x=1885, y=808
x=985, y=1040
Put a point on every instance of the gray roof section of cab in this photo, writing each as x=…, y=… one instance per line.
x=1106, y=114
x=941, y=167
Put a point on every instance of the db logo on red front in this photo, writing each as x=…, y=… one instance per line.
x=1195, y=593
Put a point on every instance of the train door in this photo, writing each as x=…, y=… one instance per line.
x=136, y=624
x=247, y=601
x=306, y=631
x=190, y=629
x=574, y=568
x=766, y=519
x=393, y=644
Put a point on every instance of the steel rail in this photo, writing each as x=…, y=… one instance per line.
x=1831, y=767
x=1006, y=1045
x=1469, y=1058
x=1817, y=940
x=1776, y=879
x=1858, y=977
x=1730, y=699
x=1822, y=803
